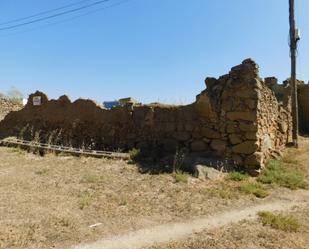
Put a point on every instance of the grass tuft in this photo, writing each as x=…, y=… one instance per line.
x=282, y=222
x=254, y=188
x=277, y=173
x=223, y=192
x=135, y=155
x=85, y=199
x=91, y=179
x=41, y=171
x=181, y=177
x=237, y=176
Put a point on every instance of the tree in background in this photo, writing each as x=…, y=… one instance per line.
x=13, y=94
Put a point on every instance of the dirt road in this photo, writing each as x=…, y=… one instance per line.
x=174, y=231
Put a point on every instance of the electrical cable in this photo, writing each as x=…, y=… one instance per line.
x=55, y=15
x=43, y=12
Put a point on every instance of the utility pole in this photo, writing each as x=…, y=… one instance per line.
x=294, y=38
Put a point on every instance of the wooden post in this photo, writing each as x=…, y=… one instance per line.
x=293, y=47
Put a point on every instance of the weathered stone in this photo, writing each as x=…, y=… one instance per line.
x=247, y=147
x=170, y=145
x=198, y=146
x=235, y=139
x=251, y=135
x=237, y=159
x=218, y=145
x=283, y=126
x=205, y=172
x=251, y=103
x=210, y=82
x=246, y=116
x=204, y=108
x=248, y=127
x=232, y=128
x=266, y=143
x=189, y=127
x=182, y=136
x=255, y=159
x=271, y=81
x=210, y=133
x=246, y=93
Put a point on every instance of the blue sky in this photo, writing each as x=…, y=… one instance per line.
x=148, y=49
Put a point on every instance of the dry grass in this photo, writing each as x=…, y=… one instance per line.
x=251, y=234
x=51, y=201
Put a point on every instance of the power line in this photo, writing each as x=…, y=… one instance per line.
x=55, y=15
x=44, y=12
x=68, y=19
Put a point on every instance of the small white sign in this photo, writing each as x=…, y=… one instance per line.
x=36, y=100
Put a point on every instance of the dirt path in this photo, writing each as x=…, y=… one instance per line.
x=165, y=233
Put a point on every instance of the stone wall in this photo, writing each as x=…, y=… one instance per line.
x=303, y=104
x=7, y=105
x=237, y=118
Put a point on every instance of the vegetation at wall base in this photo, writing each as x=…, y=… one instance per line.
x=277, y=173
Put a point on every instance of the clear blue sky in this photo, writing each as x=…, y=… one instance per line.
x=149, y=49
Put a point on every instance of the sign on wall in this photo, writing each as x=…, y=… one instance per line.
x=36, y=100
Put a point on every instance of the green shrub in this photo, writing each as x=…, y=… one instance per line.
x=282, y=222
x=254, y=188
x=276, y=173
x=135, y=155
x=237, y=176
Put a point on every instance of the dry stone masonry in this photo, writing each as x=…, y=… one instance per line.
x=7, y=105
x=239, y=117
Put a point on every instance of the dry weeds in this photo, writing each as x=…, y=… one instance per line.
x=51, y=202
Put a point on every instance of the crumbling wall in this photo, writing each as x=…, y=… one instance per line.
x=237, y=118
x=274, y=120
x=8, y=105
x=303, y=104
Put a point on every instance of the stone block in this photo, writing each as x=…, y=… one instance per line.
x=248, y=126
x=232, y=128
x=182, y=136
x=235, y=138
x=246, y=116
x=247, y=147
x=254, y=160
x=251, y=135
x=218, y=145
x=210, y=133
x=237, y=159
x=198, y=146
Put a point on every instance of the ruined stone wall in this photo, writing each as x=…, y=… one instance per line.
x=7, y=105
x=274, y=120
x=303, y=104
x=234, y=119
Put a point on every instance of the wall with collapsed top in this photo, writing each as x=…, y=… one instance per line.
x=8, y=105
x=303, y=105
x=237, y=117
